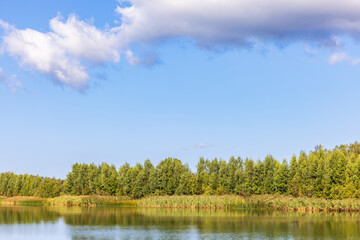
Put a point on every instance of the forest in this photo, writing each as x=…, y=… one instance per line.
x=322, y=173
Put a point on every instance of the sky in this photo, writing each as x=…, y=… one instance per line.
x=125, y=81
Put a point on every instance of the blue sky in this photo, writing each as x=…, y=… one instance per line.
x=171, y=91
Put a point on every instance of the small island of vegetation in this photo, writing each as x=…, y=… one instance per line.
x=323, y=180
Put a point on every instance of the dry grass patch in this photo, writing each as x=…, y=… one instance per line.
x=23, y=200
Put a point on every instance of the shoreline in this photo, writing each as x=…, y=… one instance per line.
x=213, y=202
x=69, y=201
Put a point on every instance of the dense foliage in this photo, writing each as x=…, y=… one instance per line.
x=332, y=174
x=29, y=185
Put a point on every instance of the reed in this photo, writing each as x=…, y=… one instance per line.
x=210, y=202
x=254, y=202
x=23, y=201
x=67, y=200
x=273, y=202
x=91, y=200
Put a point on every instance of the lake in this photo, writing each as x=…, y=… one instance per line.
x=20, y=222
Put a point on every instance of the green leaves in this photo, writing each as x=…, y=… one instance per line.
x=333, y=174
x=29, y=185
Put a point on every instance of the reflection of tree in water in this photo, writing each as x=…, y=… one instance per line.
x=27, y=215
x=268, y=224
x=274, y=224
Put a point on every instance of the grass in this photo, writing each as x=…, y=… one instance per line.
x=211, y=202
x=24, y=201
x=273, y=202
x=91, y=200
x=66, y=200
x=255, y=202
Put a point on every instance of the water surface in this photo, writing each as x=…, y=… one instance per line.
x=77, y=223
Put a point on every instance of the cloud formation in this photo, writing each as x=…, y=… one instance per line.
x=203, y=145
x=339, y=57
x=240, y=22
x=12, y=82
x=62, y=51
x=72, y=46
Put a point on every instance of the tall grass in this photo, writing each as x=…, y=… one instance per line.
x=23, y=201
x=91, y=200
x=254, y=202
x=66, y=200
x=273, y=202
x=211, y=202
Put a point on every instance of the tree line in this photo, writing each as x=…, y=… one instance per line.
x=331, y=174
x=29, y=185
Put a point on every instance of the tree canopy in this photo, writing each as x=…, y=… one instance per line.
x=331, y=174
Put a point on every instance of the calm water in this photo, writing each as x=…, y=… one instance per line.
x=131, y=223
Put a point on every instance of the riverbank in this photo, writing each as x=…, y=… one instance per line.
x=70, y=201
x=272, y=202
x=268, y=202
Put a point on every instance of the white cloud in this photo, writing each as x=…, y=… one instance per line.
x=70, y=47
x=240, y=22
x=339, y=57
x=4, y=25
x=310, y=51
x=64, y=50
x=85, y=41
x=12, y=82
x=131, y=59
x=202, y=145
